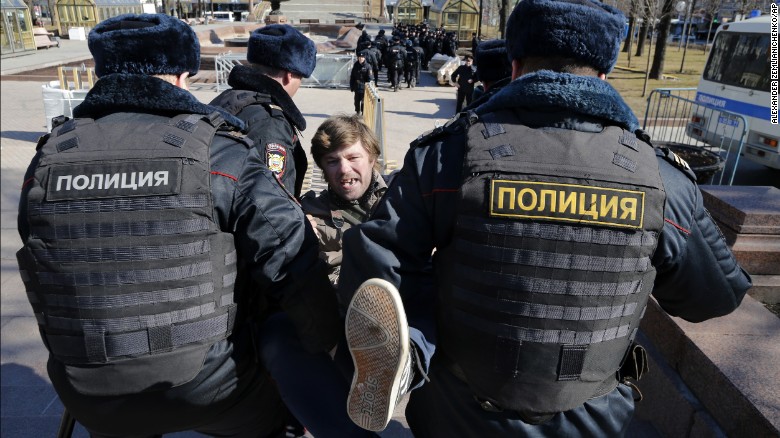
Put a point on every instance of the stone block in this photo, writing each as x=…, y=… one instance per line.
x=749, y=218
x=745, y=209
x=766, y=288
x=726, y=362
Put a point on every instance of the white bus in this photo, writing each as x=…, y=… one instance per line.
x=736, y=79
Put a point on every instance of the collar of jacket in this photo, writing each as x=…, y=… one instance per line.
x=243, y=77
x=119, y=92
x=548, y=90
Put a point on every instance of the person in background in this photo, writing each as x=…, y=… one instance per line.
x=549, y=219
x=493, y=70
x=396, y=55
x=373, y=56
x=411, y=65
x=360, y=76
x=261, y=95
x=464, y=78
x=155, y=239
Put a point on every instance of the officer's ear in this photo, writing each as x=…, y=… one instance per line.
x=603, y=76
x=181, y=81
x=517, y=68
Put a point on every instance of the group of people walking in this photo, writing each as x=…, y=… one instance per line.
x=182, y=281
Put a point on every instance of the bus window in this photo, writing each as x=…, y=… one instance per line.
x=740, y=59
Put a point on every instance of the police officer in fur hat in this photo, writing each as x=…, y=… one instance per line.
x=553, y=219
x=360, y=75
x=153, y=235
x=279, y=57
x=493, y=70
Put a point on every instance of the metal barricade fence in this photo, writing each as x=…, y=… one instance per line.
x=696, y=131
x=374, y=117
x=332, y=71
x=223, y=64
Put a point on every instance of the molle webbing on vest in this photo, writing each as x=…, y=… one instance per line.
x=124, y=258
x=549, y=269
x=109, y=205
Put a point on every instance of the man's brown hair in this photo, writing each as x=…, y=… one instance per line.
x=343, y=130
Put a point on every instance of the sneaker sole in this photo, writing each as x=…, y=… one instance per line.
x=378, y=339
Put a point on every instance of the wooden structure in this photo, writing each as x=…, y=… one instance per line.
x=17, y=29
x=88, y=13
x=409, y=11
x=71, y=78
x=459, y=16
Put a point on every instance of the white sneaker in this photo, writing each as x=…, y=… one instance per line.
x=378, y=339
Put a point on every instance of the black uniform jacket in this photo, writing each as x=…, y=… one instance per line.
x=274, y=127
x=278, y=263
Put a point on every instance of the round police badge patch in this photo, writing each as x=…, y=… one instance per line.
x=276, y=158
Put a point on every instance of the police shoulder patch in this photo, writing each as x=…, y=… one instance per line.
x=276, y=158
x=678, y=162
x=456, y=123
x=235, y=135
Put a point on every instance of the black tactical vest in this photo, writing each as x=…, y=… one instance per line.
x=125, y=266
x=547, y=277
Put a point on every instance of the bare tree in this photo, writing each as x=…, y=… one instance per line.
x=631, y=23
x=688, y=20
x=745, y=6
x=651, y=11
x=646, y=7
x=657, y=71
x=503, y=15
x=711, y=8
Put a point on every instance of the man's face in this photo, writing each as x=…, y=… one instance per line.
x=361, y=59
x=469, y=61
x=348, y=171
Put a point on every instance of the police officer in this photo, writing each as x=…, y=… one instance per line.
x=279, y=57
x=396, y=54
x=381, y=43
x=464, y=78
x=553, y=220
x=493, y=70
x=363, y=41
x=153, y=235
x=411, y=65
x=372, y=57
x=360, y=76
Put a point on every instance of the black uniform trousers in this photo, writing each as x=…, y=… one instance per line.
x=464, y=94
x=359, y=95
x=445, y=407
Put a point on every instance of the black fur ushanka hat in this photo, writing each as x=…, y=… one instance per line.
x=492, y=61
x=282, y=46
x=585, y=30
x=147, y=44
